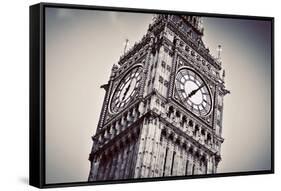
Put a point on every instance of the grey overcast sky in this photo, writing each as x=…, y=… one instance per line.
x=82, y=46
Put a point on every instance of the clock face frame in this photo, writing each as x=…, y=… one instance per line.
x=193, y=92
x=126, y=90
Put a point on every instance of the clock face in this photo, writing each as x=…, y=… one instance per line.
x=126, y=89
x=193, y=92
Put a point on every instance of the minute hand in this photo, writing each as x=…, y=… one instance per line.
x=127, y=89
x=193, y=92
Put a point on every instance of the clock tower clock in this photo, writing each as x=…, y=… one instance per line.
x=128, y=88
x=162, y=112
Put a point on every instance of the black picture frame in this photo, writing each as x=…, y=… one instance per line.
x=37, y=154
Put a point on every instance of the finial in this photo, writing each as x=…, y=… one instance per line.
x=154, y=17
x=200, y=25
x=219, y=51
x=126, y=45
x=114, y=67
x=223, y=74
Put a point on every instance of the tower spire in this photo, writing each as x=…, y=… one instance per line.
x=219, y=49
x=126, y=44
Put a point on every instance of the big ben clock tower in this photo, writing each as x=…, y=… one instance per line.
x=162, y=112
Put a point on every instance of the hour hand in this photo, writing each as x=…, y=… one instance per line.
x=126, y=91
x=193, y=92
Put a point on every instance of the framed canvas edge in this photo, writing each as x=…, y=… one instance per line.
x=36, y=86
x=37, y=95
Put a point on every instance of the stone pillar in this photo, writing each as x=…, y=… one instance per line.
x=113, y=164
x=154, y=147
x=117, y=127
x=124, y=160
x=135, y=114
x=141, y=108
x=107, y=168
x=162, y=155
x=94, y=169
x=157, y=164
x=123, y=123
x=118, y=161
x=130, y=118
x=112, y=131
x=141, y=150
x=177, y=161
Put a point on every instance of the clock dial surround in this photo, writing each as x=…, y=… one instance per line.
x=193, y=92
x=127, y=89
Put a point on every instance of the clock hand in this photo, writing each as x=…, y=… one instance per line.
x=193, y=92
x=127, y=89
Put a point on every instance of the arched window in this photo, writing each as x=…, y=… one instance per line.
x=184, y=146
x=171, y=137
x=178, y=141
x=209, y=138
x=183, y=121
x=197, y=155
x=163, y=134
x=177, y=114
x=190, y=150
x=196, y=130
x=203, y=132
x=203, y=160
x=190, y=123
x=171, y=110
x=194, y=21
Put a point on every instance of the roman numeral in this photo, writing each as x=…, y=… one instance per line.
x=181, y=75
x=118, y=105
x=192, y=107
x=134, y=74
x=186, y=77
x=127, y=79
x=116, y=100
x=206, y=102
x=185, y=99
x=181, y=82
x=195, y=77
